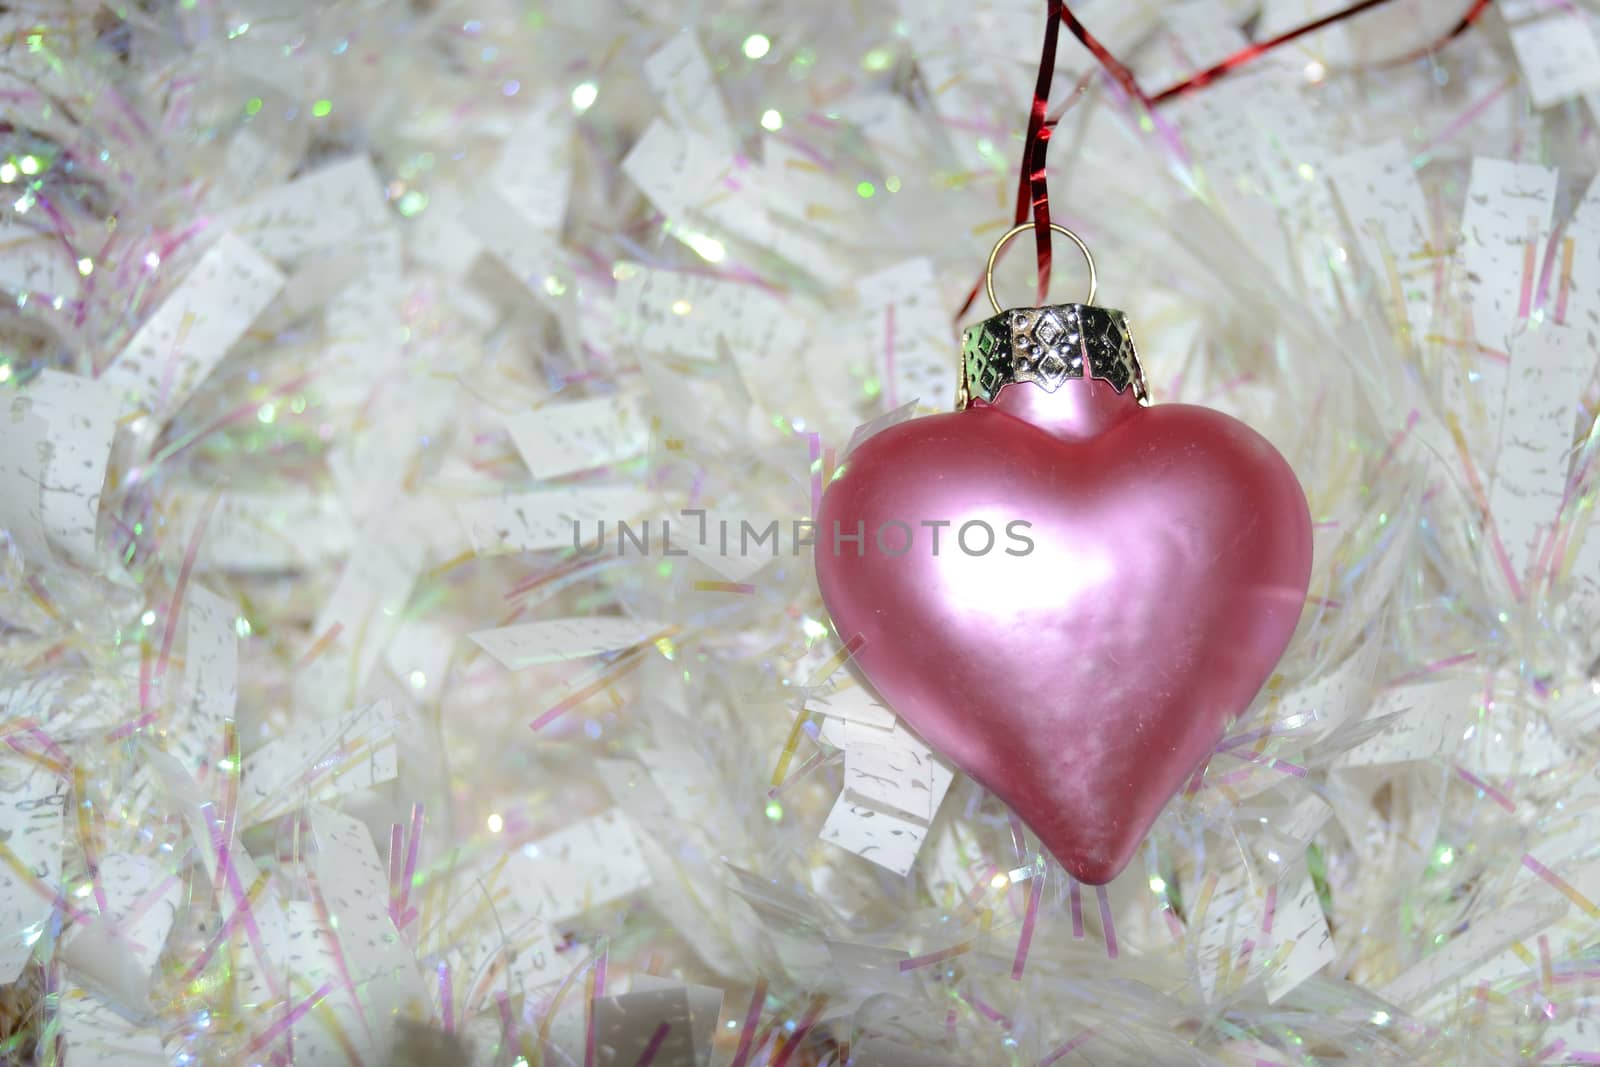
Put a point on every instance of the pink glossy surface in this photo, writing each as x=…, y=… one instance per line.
x=1086, y=681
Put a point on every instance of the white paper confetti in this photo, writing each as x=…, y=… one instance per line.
x=1383, y=203
x=858, y=964
x=32, y=805
x=705, y=1010
x=364, y=608
x=801, y=191
x=419, y=656
x=1324, y=704
x=1303, y=818
x=252, y=162
x=35, y=262
x=534, y=174
x=1583, y=600
x=315, y=282
x=1518, y=10
x=1470, y=948
x=203, y=818
x=1200, y=35
x=674, y=167
x=556, y=518
x=325, y=209
x=735, y=544
x=305, y=950
x=193, y=329
x=366, y=342
x=851, y=702
x=888, y=123
x=587, y=864
x=1277, y=931
x=881, y=815
x=570, y=436
x=889, y=840
x=1550, y=366
x=686, y=174
x=320, y=760
x=532, y=255
x=210, y=687
x=1575, y=297
x=24, y=448
x=1559, y=57
x=904, y=323
x=511, y=950
x=858, y=733
x=877, y=1051
x=967, y=93
x=1232, y=916
x=890, y=777
x=1299, y=926
x=681, y=775
x=686, y=315
x=686, y=90
x=116, y=951
x=97, y=1036
x=354, y=885
x=82, y=416
x=875, y=426
x=555, y=640
x=627, y=1025
x=1416, y=722
x=1504, y=229
x=263, y=531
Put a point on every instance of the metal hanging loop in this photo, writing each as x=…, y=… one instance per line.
x=994, y=256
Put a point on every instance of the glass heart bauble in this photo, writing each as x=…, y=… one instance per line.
x=1066, y=592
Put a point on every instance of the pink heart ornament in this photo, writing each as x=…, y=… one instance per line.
x=1067, y=593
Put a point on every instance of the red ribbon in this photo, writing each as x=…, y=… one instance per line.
x=1245, y=55
x=1032, y=189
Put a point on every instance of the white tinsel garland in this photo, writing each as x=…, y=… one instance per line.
x=325, y=324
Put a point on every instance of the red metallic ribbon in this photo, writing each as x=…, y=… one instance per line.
x=1031, y=186
x=1032, y=189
